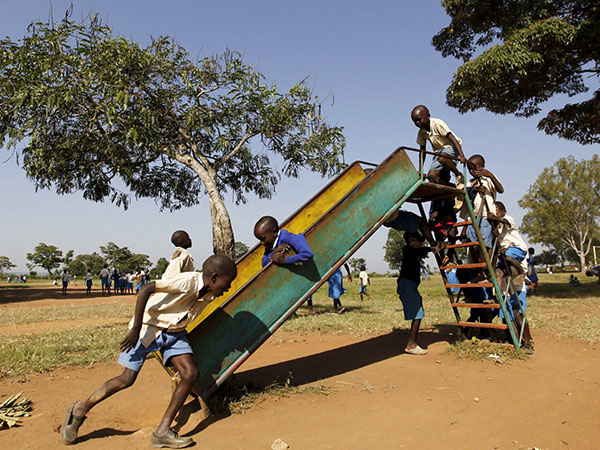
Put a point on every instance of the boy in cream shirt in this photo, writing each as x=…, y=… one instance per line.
x=162, y=311
x=181, y=260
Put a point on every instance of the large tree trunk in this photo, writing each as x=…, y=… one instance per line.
x=223, y=239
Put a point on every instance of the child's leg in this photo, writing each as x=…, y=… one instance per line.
x=414, y=331
x=184, y=364
x=112, y=386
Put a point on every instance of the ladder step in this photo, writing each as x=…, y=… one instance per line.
x=476, y=305
x=497, y=326
x=460, y=224
x=464, y=244
x=470, y=285
x=463, y=266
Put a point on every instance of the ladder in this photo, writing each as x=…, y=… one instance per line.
x=498, y=296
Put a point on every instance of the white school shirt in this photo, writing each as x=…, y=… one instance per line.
x=483, y=202
x=437, y=135
x=173, y=306
x=181, y=261
x=510, y=236
x=88, y=276
x=104, y=273
x=65, y=277
x=364, y=277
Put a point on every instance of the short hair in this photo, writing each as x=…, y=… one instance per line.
x=419, y=108
x=178, y=237
x=479, y=158
x=363, y=267
x=501, y=206
x=265, y=221
x=219, y=264
x=415, y=234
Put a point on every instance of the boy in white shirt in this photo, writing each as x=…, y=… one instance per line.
x=363, y=281
x=162, y=311
x=443, y=141
x=181, y=260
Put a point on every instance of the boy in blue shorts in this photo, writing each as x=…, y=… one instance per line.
x=443, y=142
x=408, y=282
x=162, y=312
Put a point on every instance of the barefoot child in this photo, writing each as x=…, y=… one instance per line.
x=363, y=281
x=162, y=311
x=181, y=260
x=278, y=242
x=336, y=288
x=443, y=141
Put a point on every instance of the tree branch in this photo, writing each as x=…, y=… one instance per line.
x=236, y=149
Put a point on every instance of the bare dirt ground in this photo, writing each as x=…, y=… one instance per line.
x=379, y=397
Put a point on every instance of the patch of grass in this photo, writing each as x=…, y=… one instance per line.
x=37, y=353
x=237, y=399
x=480, y=350
x=23, y=315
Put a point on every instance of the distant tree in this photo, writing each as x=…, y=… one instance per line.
x=67, y=259
x=563, y=206
x=136, y=261
x=393, y=248
x=357, y=263
x=115, y=256
x=5, y=264
x=159, y=269
x=30, y=267
x=240, y=250
x=84, y=262
x=532, y=51
x=547, y=258
x=48, y=257
x=97, y=112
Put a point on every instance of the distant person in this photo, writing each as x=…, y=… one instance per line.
x=115, y=281
x=574, y=281
x=444, y=144
x=532, y=279
x=139, y=280
x=363, y=282
x=74, y=280
x=104, y=279
x=88, y=282
x=8, y=279
x=65, y=282
x=24, y=278
x=162, y=312
x=278, y=243
x=130, y=282
x=336, y=288
x=181, y=260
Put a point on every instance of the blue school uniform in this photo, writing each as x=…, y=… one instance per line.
x=296, y=241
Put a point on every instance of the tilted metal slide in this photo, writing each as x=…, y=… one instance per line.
x=336, y=222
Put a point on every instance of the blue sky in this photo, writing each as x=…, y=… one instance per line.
x=375, y=60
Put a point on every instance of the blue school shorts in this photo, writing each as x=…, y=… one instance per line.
x=513, y=304
x=411, y=299
x=406, y=221
x=105, y=281
x=88, y=283
x=169, y=344
x=436, y=164
x=362, y=289
x=486, y=232
x=516, y=252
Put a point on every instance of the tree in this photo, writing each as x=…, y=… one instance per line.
x=357, y=263
x=563, y=206
x=84, y=262
x=547, y=258
x=393, y=248
x=5, y=264
x=115, y=256
x=135, y=262
x=30, y=267
x=97, y=111
x=159, y=269
x=240, y=250
x=48, y=257
x=532, y=50
x=67, y=259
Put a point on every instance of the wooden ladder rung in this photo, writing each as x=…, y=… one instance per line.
x=463, y=266
x=464, y=244
x=470, y=285
x=460, y=224
x=496, y=326
x=476, y=305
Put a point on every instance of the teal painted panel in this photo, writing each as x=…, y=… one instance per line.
x=227, y=337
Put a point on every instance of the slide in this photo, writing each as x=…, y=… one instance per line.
x=336, y=222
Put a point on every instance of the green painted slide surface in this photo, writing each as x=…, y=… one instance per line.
x=225, y=339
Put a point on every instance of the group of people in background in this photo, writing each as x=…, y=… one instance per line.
x=16, y=278
x=115, y=282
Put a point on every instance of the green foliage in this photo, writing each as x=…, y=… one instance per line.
x=563, y=206
x=357, y=263
x=48, y=257
x=97, y=111
x=159, y=269
x=393, y=248
x=82, y=263
x=533, y=50
x=547, y=258
x=5, y=264
x=123, y=259
x=240, y=250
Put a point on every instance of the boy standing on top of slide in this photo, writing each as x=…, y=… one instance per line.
x=443, y=141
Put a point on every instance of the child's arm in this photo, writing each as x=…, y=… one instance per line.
x=501, y=220
x=457, y=147
x=491, y=176
x=299, y=244
x=348, y=272
x=133, y=335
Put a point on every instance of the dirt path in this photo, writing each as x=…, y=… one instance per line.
x=380, y=398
